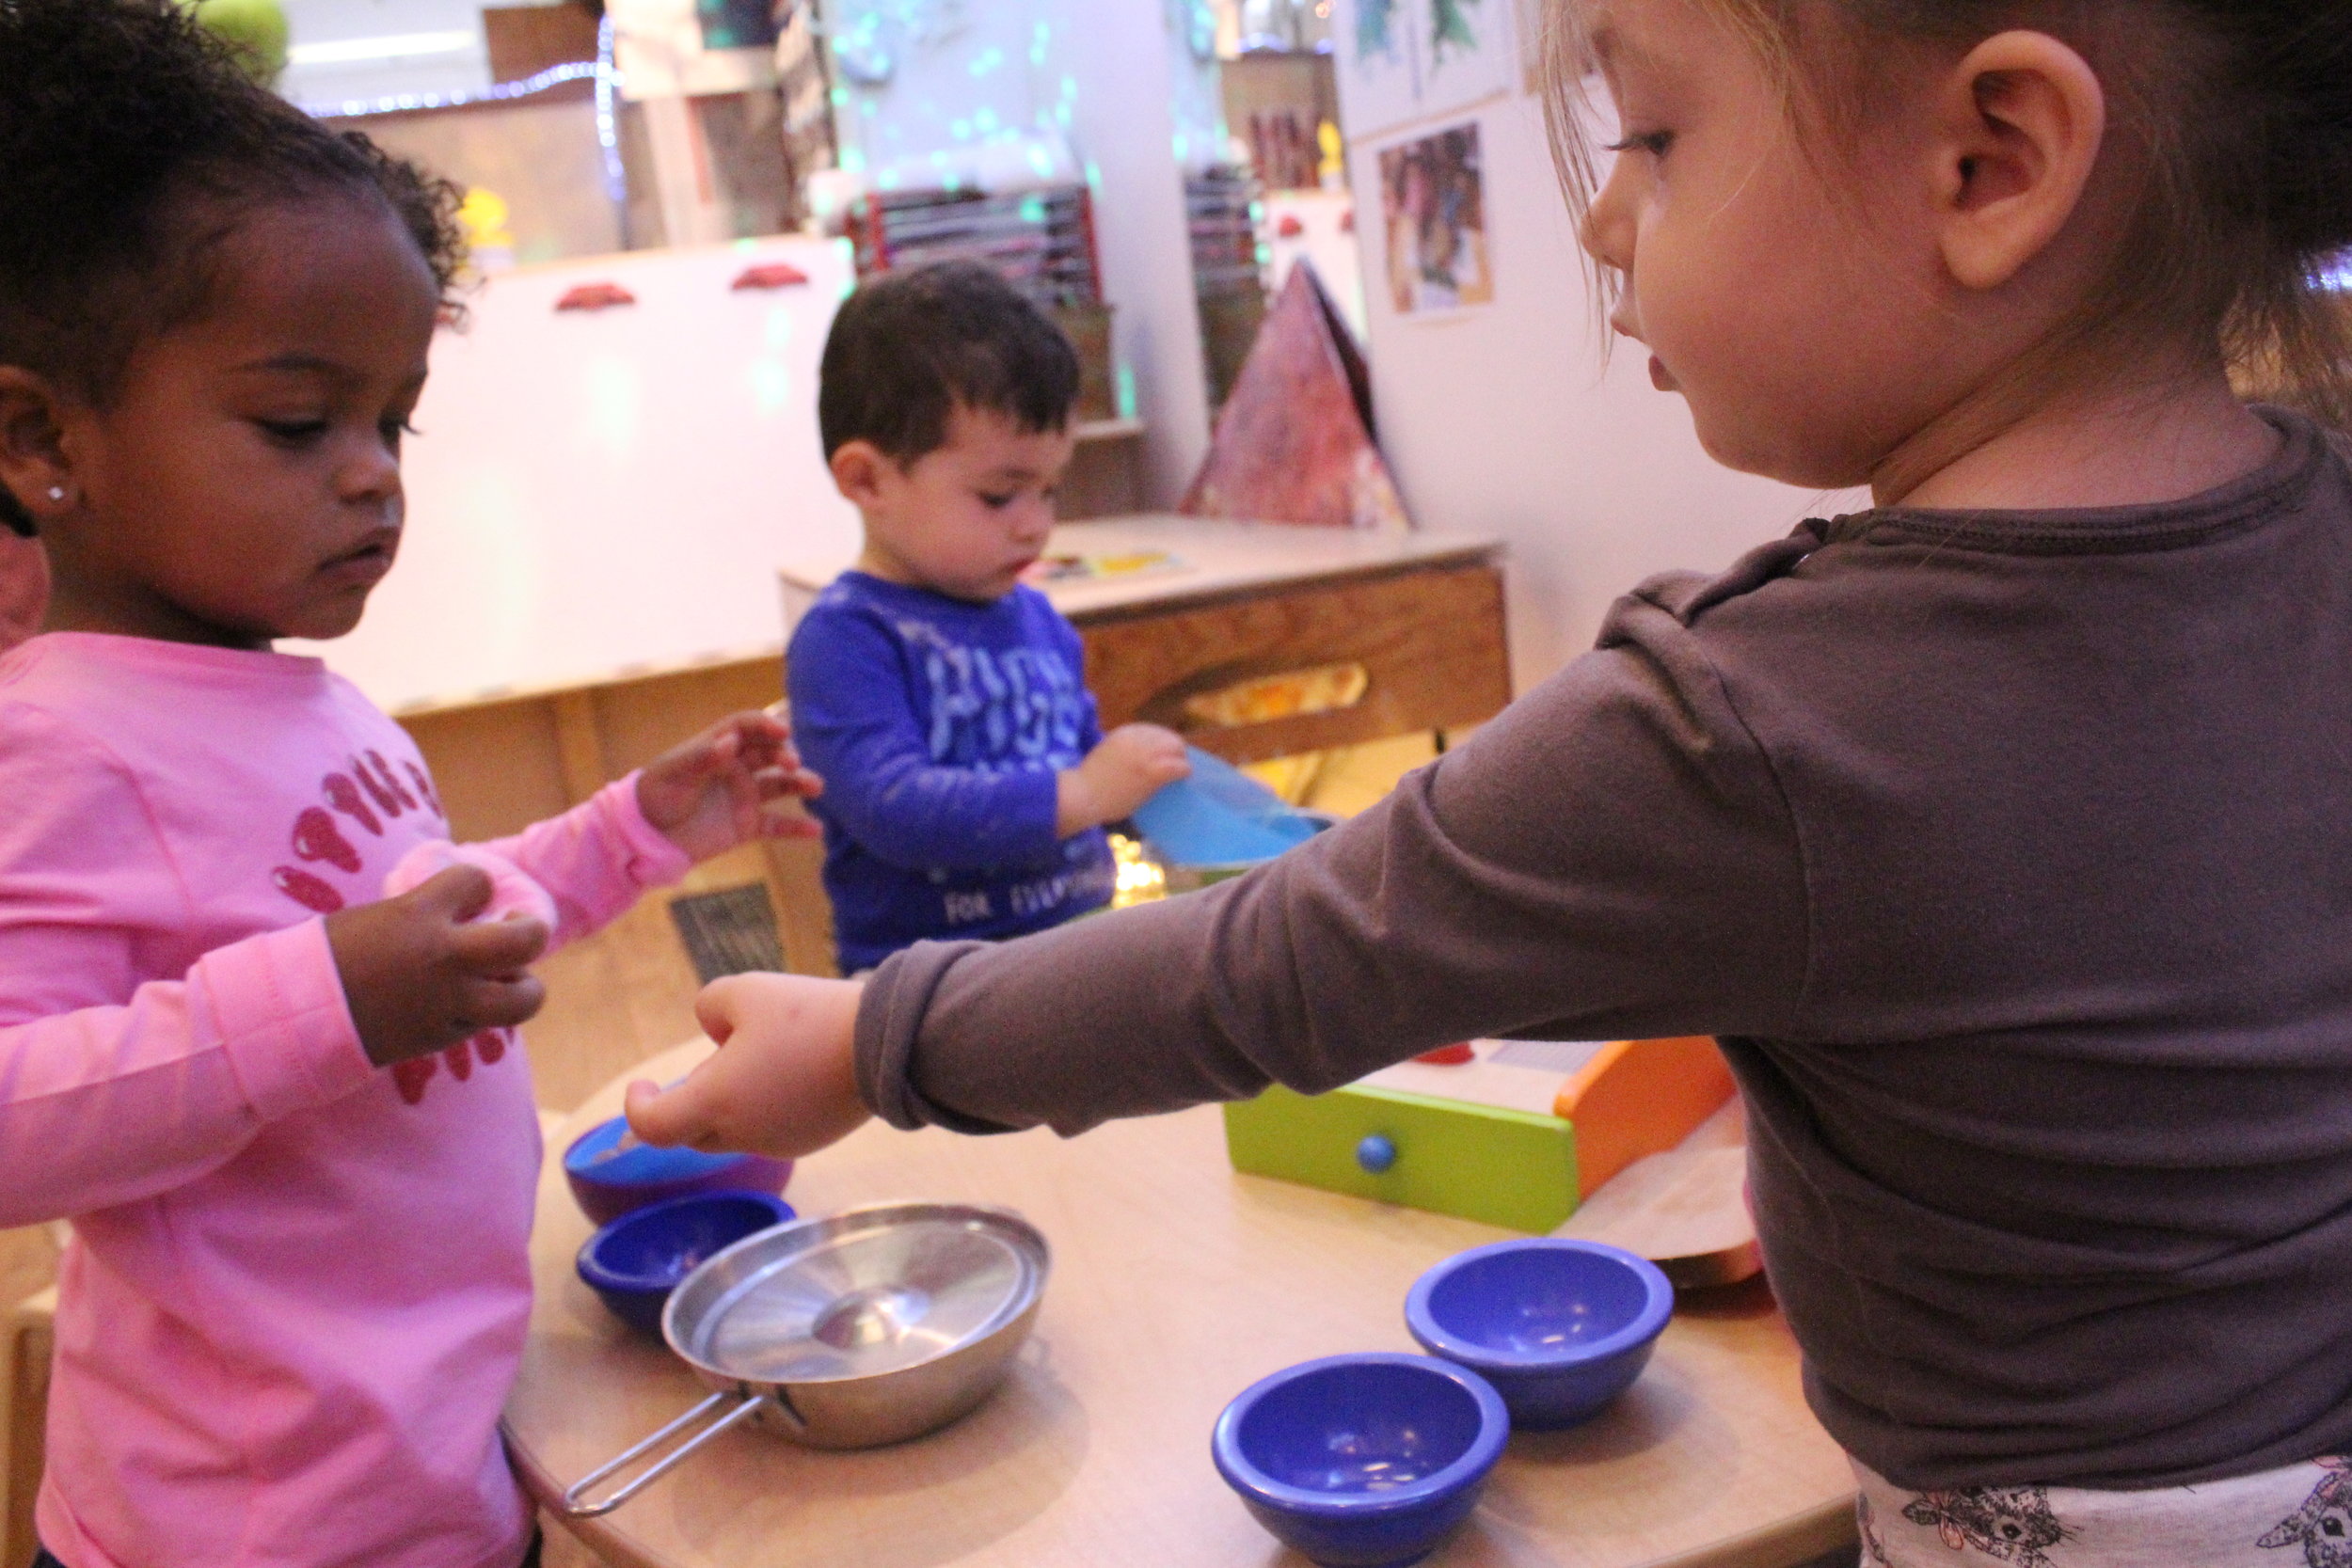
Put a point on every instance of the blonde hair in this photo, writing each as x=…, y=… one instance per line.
x=2241, y=112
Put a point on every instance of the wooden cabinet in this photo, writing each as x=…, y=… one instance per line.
x=1418, y=616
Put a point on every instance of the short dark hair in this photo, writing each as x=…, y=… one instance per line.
x=911, y=347
x=129, y=139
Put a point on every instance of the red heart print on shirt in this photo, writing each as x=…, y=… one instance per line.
x=385, y=791
x=490, y=1045
x=392, y=780
x=424, y=789
x=306, y=890
x=345, y=797
x=412, y=1075
x=317, y=838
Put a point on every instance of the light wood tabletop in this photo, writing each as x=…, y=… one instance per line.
x=1176, y=1283
x=1209, y=557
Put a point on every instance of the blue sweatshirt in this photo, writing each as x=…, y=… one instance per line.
x=939, y=726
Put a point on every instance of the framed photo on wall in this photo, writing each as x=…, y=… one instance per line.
x=1433, y=217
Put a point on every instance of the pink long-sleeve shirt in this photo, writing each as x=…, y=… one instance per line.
x=298, y=1290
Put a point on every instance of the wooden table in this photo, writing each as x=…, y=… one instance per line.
x=1420, y=613
x=1176, y=1283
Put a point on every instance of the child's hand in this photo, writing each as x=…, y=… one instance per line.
x=783, y=1081
x=1129, y=765
x=711, y=794
x=417, y=978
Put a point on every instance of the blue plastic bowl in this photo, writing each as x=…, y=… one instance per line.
x=606, y=1189
x=637, y=1260
x=1559, y=1327
x=1362, y=1461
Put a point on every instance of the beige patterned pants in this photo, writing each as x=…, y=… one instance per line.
x=2297, y=1516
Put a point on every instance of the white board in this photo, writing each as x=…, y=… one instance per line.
x=597, y=492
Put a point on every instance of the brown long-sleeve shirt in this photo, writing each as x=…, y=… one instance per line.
x=2010, y=854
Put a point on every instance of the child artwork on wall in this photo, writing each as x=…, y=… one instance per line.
x=1432, y=213
x=1401, y=60
x=1294, y=443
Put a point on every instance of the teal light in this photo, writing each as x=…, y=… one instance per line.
x=779, y=328
x=614, y=405
x=1126, y=392
x=986, y=120
x=1040, y=43
x=771, y=386
x=987, y=60
x=1033, y=208
x=852, y=159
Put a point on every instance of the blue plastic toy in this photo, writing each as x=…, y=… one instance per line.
x=1559, y=1327
x=1220, y=817
x=1362, y=1460
x=637, y=1260
x=607, y=1184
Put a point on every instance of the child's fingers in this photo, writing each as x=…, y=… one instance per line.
x=778, y=783
x=456, y=895
x=663, y=1118
x=715, y=1010
x=499, y=946
x=500, y=1004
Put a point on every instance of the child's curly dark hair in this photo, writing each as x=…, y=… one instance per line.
x=126, y=133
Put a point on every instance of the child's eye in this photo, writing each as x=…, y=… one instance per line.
x=996, y=504
x=293, y=433
x=392, y=430
x=1652, y=142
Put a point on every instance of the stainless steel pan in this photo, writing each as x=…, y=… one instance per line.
x=869, y=1328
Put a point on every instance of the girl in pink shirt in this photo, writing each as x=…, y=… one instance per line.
x=285, y=1113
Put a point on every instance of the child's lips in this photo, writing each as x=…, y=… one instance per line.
x=365, y=565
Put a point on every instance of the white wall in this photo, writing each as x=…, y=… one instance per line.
x=1500, y=421
x=1122, y=58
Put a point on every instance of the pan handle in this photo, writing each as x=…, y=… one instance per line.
x=576, y=1504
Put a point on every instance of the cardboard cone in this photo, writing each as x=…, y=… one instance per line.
x=1294, y=441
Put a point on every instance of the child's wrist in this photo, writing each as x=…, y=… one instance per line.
x=1074, y=806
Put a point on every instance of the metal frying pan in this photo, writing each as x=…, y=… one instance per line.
x=869, y=1328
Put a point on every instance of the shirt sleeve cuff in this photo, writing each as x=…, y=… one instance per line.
x=889, y=1022
x=285, y=1026
x=651, y=859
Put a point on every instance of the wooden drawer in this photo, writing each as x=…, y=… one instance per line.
x=1430, y=642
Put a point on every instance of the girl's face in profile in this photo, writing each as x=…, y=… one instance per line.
x=1787, y=315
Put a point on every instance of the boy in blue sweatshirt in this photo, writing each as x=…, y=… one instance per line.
x=942, y=701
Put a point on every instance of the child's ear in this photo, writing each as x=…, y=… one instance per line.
x=34, y=467
x=859, y=471
x=2021, y=121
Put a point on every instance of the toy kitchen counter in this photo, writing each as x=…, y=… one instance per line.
x=1175, y=1283
x=1260, y=639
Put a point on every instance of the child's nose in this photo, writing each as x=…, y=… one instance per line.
x=1607, y=232
x=373, y=474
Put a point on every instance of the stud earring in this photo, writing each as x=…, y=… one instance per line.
x=57, y=492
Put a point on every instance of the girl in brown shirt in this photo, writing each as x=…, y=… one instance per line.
x=2003, y=832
